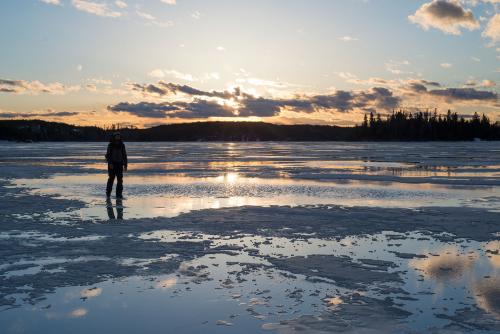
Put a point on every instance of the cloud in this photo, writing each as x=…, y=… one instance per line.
x=417, y=87
x=492, y=30
x=430, y=83
x=144, y=109
x=163, y=88
x=96, y=8
x=202, y=108
x=152, y=20
x=180, y=75
x=488, y=83
x=452, y=95
x=263, y=107
x=348, y=39
x=338, y=101
x=264, y=83
x=421, y=93
x=485, y=83
x=395, y=67
x=198, y=108
x=420, y=86
x=374, y=81
x=492, y=1
x=159, y=73
x=446, y=15
x=243, y=104
x=464, y=94
x=99, y=81
x=51, y=2
x=91, y=87
x=196, y=15
x=169, y=2
x=171, y=100
x=121, y=4
x=146, y=16
x=48, y=113
x=446, y=65
x=34, y=87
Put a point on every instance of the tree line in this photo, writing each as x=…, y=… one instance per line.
x=401, y=125
x=398, y=126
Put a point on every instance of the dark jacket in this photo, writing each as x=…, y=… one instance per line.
x=116, y=153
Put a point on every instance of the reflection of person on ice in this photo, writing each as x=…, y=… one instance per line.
x=110, y=209
x=116, y=156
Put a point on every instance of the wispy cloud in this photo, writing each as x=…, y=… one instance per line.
x=121, y=4
x=38, y=114
x=396, y=67
x=159, y=73
x=97, y=8
x=34, y=87
x=51, y=2
x=263, y=82
x=169, y=2
x=153, y=20
x=492, y=30
x=348, y=39
x=99, y=81
x=196, y=15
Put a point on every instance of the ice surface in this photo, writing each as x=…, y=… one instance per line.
x=244, y=238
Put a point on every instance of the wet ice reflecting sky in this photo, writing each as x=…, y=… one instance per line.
x=98, y=266
x=167, y=179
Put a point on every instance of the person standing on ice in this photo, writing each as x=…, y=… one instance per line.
x=116, y=156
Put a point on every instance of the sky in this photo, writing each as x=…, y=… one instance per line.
x=150, y=62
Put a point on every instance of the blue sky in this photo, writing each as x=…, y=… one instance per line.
x=288, y=61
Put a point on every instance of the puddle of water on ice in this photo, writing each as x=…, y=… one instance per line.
x=448, y=278
x=443, y=277
x=171, y=195
x=37, y=236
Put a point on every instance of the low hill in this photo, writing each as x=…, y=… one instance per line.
x=399, y=126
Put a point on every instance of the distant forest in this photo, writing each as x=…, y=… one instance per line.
x=399, y=126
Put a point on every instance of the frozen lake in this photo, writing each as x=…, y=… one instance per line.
x=251, y=237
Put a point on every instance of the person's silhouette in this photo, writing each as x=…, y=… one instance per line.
x=116, y=157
